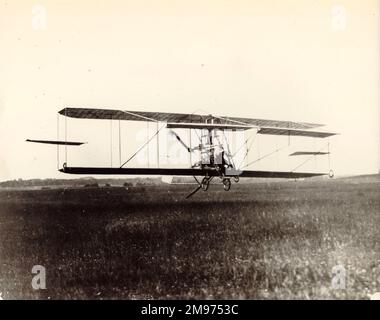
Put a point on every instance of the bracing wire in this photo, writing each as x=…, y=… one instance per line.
x=329, y=158
x=236, y=152
x=138, y=150
x=264, y=156
x=57, y=140
x=65, y=138
x=247, y=151
x=111, y=141
x=308, y=159
x=147, y=134
x=230, y=158
x=119, y=145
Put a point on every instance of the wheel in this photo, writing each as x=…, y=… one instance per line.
x=236, y=179
x=331, y=174
x=205, y=184
x=226, y=184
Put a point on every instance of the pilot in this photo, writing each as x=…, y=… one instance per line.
x=222, y=162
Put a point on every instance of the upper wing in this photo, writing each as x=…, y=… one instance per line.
x=88, y=113
x=220, y=126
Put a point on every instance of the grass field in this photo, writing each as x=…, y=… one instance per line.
x=264, y=240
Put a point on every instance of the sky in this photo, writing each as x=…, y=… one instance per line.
x=312, y=61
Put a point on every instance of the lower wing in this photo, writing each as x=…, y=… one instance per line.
x=187, y=172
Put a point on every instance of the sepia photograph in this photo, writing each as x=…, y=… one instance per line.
x=189, y=150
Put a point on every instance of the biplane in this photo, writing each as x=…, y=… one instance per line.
x=212, y=155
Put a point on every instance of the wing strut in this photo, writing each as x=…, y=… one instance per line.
x=312, y=156
x=142, y=147
x=264, y=156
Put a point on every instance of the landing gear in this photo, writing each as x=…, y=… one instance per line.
x=236, y=179
x=331, y=174
x=226, y=184
x=205, y=183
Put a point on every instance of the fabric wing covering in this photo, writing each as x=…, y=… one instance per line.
x=56, y=142
x=186, y=172
x=89, y=113
x=294, y=132
x=307, y=153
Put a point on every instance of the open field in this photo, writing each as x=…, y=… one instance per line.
x=263, y=240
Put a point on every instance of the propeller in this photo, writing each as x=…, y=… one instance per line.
x=180, y=140
x=201, y=147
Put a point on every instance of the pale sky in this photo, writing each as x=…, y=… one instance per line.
x=312, y=61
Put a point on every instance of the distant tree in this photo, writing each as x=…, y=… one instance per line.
x=92, y=185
